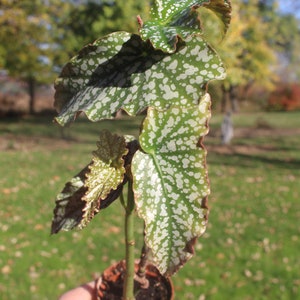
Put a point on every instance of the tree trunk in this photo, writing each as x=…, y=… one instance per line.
x=229, y=97
x=31, y=90
x=224, y=100
x=233, y=99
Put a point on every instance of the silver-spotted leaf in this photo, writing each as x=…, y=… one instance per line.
x=136, y=77
x=171, y=19
x=106, y=173
x=170, y=182
x=78, y=73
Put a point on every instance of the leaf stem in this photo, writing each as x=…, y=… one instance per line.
x=122, y=200
x=128, y=291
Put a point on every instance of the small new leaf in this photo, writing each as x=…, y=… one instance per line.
x=105, y=174
x=171, y=19
x=171, y=184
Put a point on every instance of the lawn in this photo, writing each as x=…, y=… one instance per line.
x=249, y=251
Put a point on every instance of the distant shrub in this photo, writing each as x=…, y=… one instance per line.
x=286, y=97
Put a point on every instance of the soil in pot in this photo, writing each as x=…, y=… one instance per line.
x=112, y=279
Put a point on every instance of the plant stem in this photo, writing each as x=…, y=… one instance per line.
x=128, y=291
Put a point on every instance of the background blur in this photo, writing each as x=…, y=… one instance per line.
x=261, y=49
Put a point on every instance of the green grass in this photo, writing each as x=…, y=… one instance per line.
x=250, y=249
x=271, y=119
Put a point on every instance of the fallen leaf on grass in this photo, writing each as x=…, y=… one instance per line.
x=39, y=227
x=8, y=191
x=220, y=256
x=6, y=269
x=248, y=273
x=114, y=229
x=254, y=179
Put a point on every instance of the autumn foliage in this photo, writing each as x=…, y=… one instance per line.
x=286, y=97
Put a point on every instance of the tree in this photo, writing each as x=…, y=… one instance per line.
x=255, y=58
x=291, y=48
x=287, y=47
x=284, y=36
x=259, y=39
x=25, y=33
x=87, y=21
x=38, y=36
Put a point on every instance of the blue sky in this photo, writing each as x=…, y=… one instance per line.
x=290, y=6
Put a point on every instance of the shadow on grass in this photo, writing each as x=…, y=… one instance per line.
x=253, y=160
x=81, y=130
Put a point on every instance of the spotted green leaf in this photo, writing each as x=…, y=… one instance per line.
x=171, y=19
x=170, y=182
x=102, y=80
x=105, y=174
x=77, y=75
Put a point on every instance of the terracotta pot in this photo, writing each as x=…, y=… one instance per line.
x=110, y=285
